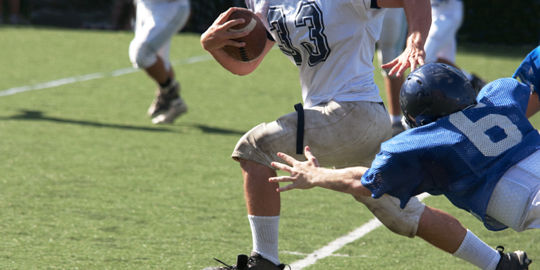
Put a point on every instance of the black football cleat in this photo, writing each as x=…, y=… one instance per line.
x=253, y=262
x=516, y=260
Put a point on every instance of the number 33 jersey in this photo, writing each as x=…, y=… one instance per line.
x=331, y=42
x=462, y=155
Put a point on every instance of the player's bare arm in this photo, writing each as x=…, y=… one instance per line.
x=218, y=35
x=418, y=14
x=307, y=174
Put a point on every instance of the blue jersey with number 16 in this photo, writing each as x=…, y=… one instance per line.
x=462, y=155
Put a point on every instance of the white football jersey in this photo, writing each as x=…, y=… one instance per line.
x=331, y=42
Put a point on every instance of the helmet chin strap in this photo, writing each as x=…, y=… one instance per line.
x=410, y=123
x=405, y=123
x=470, y=106
x=424, y=120
x=421, y=119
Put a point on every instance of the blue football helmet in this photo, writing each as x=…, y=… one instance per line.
x=433, y=91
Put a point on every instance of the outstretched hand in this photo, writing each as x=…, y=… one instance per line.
x=413, y=56
x=303, y=173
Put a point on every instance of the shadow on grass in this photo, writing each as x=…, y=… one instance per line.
x=40, y=116
x=216, y=130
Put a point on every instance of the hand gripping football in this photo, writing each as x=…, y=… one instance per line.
x=255, y=40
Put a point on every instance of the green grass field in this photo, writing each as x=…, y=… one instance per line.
x=87, y=182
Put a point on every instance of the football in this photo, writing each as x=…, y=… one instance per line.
x=255, y=40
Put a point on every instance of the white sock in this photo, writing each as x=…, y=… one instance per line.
x=475, y=251
x=395, y=118
x=265, y=234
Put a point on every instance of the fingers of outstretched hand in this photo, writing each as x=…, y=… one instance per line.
x=411, y=57
x=290, y=160
x=413, y=63
x=279, y=179
x=399, y=69
x=281, y=166
x=416, y=59
x=420, y=60
x=392, y=65
x=310, y=157
x=285, y=188
x=389, y=64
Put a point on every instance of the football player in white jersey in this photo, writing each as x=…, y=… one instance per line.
x=156, y=23
x=441, y=44
x=389, y=46
x=480, y=152
x=333, y=45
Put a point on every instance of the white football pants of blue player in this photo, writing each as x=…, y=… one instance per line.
x=156, y=23
x=515, y=201
x=446, y=19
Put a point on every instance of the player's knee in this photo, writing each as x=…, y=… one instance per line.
x=400, y=221
x=141, y=55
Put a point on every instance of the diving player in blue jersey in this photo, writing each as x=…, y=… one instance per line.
x=480, y=152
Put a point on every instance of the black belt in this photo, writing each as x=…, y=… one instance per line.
x=300, y=129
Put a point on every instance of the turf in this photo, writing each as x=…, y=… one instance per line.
x=87, y=182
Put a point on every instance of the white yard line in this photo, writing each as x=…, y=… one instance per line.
x=92, y=76
x=335, y=245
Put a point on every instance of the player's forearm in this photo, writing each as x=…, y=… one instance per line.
x=418, y=13
x=345, y=180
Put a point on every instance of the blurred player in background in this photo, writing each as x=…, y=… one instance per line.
x=156, y=23
x=389, y=46
x=481, y=152
x=441, y=44
x=14, y=12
